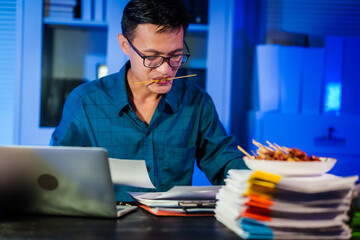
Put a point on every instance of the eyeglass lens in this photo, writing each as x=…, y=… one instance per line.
x=174, y=61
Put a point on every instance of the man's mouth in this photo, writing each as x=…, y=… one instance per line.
x=162, y=80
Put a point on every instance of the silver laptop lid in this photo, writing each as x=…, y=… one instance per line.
x=71, y=181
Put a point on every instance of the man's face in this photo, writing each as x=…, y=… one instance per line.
x=150, y=43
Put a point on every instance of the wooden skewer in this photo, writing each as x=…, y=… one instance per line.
x=256, y=143
x=244, y=152
x=278, y=148
x=254, y=153
x=284, y=149
x=271, y=145
x=259, y=145
x=166, y=79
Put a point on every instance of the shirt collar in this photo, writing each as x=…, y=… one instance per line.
x=171, y=98
x=121, y=98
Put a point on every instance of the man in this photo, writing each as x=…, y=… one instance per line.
x=141, y=113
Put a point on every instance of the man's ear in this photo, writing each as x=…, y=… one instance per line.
x=124, y=44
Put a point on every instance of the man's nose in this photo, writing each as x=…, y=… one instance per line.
x=165, y=67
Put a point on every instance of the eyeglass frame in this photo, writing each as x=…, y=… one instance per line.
x=163, y=58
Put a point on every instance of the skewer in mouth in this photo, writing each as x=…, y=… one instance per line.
x=166, y=79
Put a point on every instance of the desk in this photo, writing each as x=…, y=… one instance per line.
x=138, y=225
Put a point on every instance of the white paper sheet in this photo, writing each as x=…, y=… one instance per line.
x=177, y=196
x=181, y=193
x=190, y=192
x=129, y=173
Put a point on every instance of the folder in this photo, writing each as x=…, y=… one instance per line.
x=181, y=212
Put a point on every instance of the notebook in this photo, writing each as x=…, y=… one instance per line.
x=67, y=181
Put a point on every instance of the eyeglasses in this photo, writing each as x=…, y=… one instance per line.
x=156, y=61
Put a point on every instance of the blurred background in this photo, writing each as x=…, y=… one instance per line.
x=286, y=71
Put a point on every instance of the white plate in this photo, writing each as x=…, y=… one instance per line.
x=291, y=168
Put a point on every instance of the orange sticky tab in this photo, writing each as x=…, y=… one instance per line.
x=255, y=198
x=257, y=204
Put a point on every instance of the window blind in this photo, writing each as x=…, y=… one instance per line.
x=8, y=43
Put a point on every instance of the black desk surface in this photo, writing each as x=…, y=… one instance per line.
x=135, y=225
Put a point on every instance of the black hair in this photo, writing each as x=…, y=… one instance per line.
x=168, y=15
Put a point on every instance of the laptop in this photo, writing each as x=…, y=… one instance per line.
x=65, y=181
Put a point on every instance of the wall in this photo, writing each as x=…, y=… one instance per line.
x=247, y=34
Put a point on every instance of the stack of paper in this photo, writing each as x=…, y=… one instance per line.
x=59, y=8
x=179, y=201
x=259, y=205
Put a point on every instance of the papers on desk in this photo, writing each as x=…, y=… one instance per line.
x=179, y=201
x=262, y=205
x=129, y=173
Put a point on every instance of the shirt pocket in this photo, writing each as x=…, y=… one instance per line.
x=179, y=165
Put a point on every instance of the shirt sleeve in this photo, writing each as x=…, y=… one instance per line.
x=72, y=130
x=217, y=151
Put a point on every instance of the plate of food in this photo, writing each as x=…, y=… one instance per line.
x=286, y=161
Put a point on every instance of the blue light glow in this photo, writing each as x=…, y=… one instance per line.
x=333, y=97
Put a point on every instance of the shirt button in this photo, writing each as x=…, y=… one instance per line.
x=147, y=134
x=148, y=168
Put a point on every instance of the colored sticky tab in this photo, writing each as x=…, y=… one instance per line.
x=265, y=176
x=254, y=198
x=259, y=202
x=256, y=229
x=258, y=193
x=266, y=193
x=257, y=214
x=262, y=183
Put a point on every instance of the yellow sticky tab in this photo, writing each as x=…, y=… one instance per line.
x=265, y=177
x=261, y=188
x=262, y=183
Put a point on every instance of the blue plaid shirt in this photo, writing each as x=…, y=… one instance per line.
x=184, y=127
